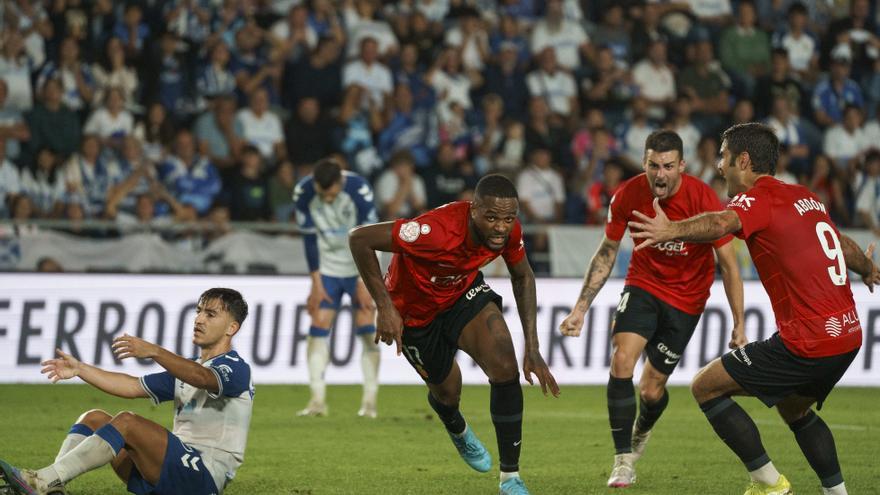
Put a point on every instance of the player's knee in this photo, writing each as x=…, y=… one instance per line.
x=622, y=363
x=790, y=414
x=503, y=371
x=94, y=418
x=124, y=420
x=651, y=393
x=701, y=389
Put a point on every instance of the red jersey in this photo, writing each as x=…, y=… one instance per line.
x=434, y=261
x=676, y=272
x=797, y=253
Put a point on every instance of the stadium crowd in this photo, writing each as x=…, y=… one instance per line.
x=151, y=112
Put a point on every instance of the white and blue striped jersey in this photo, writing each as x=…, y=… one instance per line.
x=325, y=226
x=215, y=424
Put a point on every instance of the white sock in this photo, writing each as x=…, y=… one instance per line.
x=766, y=474
x=70, y=442
x=507, y=476
x=835, y=490
x=318, y=353
x=91, y=453
x=370, y=366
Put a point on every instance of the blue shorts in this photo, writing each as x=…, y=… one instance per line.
x=336, y=287
x=183, y=473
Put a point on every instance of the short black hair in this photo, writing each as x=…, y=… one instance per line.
x=664, y=140
x=797, y=8
x=230, y=300
x=495, y=185
x=327, y=172
x=759, y=141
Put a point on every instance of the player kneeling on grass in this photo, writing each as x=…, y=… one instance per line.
x=802, y=260
x=434, y=301
x=213, y=400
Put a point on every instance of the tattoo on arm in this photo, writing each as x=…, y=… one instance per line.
x=598, y=271
x=854, y=256
x=708, y=226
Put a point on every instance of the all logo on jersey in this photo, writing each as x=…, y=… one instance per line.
x=742, y=201
x=409, y=232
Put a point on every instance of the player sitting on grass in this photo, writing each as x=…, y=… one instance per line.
x=213, y=399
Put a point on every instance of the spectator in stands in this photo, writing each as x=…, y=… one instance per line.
x=216, y=133
x=360, y=21
x=712, y=14
x=832, y=95
x=248, y=189
x=684, y=126
x=508, y=34
x=541, y=189
x=188, y=20
x=601, y=191
x=743, y=112
x=355, y=129
x=411, y=73
x=155, y=131
x=451, y=84
x=325, y=19
x=132, y=31
x=868, y=194
x=317, y=76
x=646, y=30
x=168, y=81
x=448, y=177
x=281, y=186
x=632, y=132
x=846, y=142
x=801, y=47
x=262, y=128
x=779, y=82
x=293, y=37
x=425, y=35
x=13, y=129
x=400, y=192
x=469, y=36
x=509, y=159
x=89, y=175
x=216, y=77
x=488, y=132
x=309, y=133
x=791, y=133
x=745, y=49
x=190, y=177
x=506, y=78
x=111, y=72
x=565, y=36
x=782, y=163
x=556, y=87
x=75, y=76
x=857, y=35
x=872, y=129
x=370, y=74
x=43, y=184
x=136, y=175
x=111, y=122
x=612, y=33
x=826, y=183
x=409, y=127
x=10, y=182
x=16, y=68
x=655, y=79
x=705, y=167
x=706, y=84
x=251, y=65
x=543, y=131
x=609, y=87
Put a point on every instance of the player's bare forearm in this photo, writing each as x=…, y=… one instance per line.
x=855, y=258
x=187, y=371
x=118, y=384
x=522, y=278
x=364, y=241
x=597, y=273
x=732, y=279
x=707, y=227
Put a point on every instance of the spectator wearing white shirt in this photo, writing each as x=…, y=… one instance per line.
x=112, y=122
x=633, y=131
x=400, y=191
x=845, y=142
x=801, y=46
x=655, y=79
x=89, y=176
x=681, y=123
x=10, y=183
x=541, y=189
x=261, y=128
x=715, y=13
x=13, y=129
x=789, y=129
x=868, y=194
x=75, y=76
x=470, y=36
x=292, y=35
x=15, y=69
x=358, y=17
x=112, y=72
x=451, y=84
x=567, y=37
x=44, y=185
x=554, y=85
x=370, y=74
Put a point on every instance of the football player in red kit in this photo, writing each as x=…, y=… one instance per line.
x=802, y=260
x=434, y=301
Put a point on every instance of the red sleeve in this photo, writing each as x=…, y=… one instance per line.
x=515, y=250
x=618, y=215
x=711, y=203
x=422, y=237
x=753, y=209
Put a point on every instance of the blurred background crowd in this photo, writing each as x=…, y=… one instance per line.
x=148, y=113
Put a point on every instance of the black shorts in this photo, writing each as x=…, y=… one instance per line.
x=431, y=349
x=667, y=329
x=770, y=372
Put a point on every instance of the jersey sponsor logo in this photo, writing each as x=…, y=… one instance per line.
x=671, y=357
x=425, y=229
x=833, y=327
x=190, y=463
x=671, y=248
x=476, y=290
x=224, y=371
x=447, y=280
x=804, y=205
x=741, y=201
x=409, y=232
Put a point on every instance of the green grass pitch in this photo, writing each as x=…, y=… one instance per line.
x=566, y=443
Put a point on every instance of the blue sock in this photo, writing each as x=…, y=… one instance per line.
x=365, y=330
x=112, y=436
x=80, y=429
x=318, y=331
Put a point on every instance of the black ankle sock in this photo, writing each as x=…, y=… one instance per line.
x=649, y=412
x=506, y=406
x=449, y=415
x=817, y=444
x=737, y=430
x=621, y=412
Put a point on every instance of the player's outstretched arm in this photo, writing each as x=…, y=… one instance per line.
x=733, y=287
x=595, y=278
x=364, y=241
x=185, y=370
x=65, y=367
x=706, y=227
x=522, y=279
x=860, y=262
